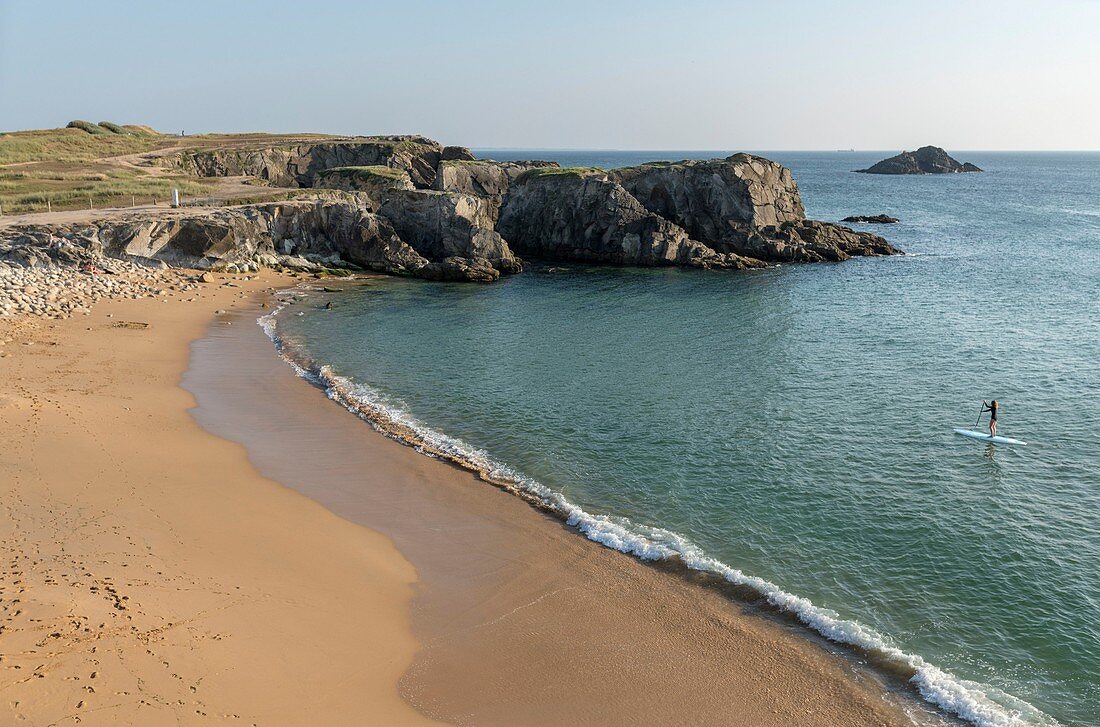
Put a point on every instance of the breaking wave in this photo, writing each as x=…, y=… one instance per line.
x=977, y=703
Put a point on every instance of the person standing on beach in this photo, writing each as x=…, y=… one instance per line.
x=991, y=407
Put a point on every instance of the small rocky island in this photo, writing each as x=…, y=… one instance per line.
x=926, y=160
x=872, y=219
x=407, y=205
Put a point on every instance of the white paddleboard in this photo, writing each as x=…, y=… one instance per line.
x=986, y=438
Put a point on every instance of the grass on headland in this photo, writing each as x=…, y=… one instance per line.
x=541, y=172
x=29, y=190
x=73, y=145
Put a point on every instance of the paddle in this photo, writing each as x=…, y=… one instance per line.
x=980, y=412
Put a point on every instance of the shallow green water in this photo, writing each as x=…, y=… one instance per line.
x=795, y=423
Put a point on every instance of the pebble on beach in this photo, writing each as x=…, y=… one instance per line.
x=58, y=291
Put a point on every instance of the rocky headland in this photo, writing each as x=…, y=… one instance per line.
x=926, y=160
x=406, y=205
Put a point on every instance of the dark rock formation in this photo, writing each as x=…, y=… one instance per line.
x=460, y=269
x=707, y=198
x=872, y=219
x=810, y=241
x=743, y=205
x=582, y=215
x=926, y=160
x=444, y=225
x=300, y=164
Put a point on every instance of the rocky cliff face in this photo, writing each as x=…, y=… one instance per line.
x=739, y=212
x=306, y=235
x=486, y=179
x=445, y=225
x=707, y=198
x=299, y=165
x=926, y=160
x=742, y=211
x=583, y=215
x=744, y=205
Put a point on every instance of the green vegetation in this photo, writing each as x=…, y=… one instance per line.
x=113, y=128
x=87, y=126
x=540, y=172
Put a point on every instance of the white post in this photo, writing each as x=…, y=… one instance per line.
x=49, y=207
x=175, y=197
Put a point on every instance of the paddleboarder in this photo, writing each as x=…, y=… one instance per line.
x=991, y=407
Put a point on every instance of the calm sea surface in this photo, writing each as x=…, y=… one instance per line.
x=795, y=423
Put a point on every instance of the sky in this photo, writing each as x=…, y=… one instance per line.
x=609, y=74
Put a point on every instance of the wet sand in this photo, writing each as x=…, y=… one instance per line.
x=521, y=620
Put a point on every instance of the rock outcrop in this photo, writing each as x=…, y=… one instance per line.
x=743, y=205
x=583, y=215
x=300, y=164
x=926, y=160
x=307, y=235
x=872, y=219
x=371, y=183
x=446, y=225
x=707, y=198
x=483, y=178
x=408, y=205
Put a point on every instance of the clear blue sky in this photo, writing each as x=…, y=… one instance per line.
x=679, y=74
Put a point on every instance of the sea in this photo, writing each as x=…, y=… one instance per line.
x=790, y=429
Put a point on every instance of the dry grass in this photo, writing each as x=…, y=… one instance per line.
x=73, y=145
x=74, y=167
x=27, y=189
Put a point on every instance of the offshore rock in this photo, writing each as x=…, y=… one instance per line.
x=872, y=219
x=926, y=160
x=583, y=215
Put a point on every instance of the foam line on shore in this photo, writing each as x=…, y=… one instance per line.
x=977, y=703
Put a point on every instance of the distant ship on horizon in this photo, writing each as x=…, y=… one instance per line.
x=844, y=151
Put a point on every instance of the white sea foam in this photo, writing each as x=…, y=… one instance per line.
x=977, y=703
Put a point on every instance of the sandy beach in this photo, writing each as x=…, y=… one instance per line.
x=150, y=575
x=157, y=573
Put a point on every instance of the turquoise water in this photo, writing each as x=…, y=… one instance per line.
x=795, y=423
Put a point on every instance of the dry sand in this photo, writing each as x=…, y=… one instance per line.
x=150, y=574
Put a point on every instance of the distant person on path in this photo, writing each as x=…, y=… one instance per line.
x=991, y=407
